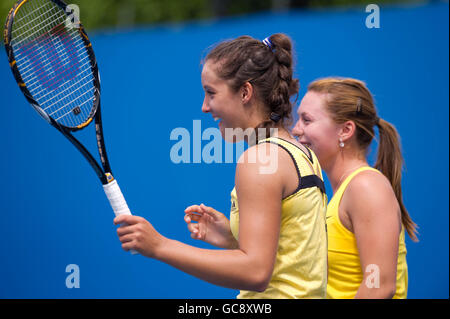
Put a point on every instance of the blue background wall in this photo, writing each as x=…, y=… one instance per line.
x=54, y=211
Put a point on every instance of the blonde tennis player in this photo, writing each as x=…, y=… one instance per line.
x=275, y=240
x=366, y=218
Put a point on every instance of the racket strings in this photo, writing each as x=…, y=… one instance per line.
x=54, y=59
x=40, y=71
x=38, y=26
x=44, y=41
x=61, y=96
x=66, y=88
x=53, y=62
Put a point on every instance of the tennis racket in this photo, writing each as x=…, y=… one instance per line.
x=54, y=65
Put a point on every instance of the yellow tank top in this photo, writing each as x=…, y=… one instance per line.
x=344, y=269
x=300, y=269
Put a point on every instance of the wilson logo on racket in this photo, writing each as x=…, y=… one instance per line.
x=52, y=57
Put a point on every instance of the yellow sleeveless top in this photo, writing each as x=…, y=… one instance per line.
x=344, y=269
x=300, y=269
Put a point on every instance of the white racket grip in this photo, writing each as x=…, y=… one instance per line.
x=117, y=201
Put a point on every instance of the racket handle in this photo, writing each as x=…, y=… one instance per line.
x=117, y=201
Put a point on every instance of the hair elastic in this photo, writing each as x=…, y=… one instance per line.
x=377, y=121
x=275, y=117
x=268, y=43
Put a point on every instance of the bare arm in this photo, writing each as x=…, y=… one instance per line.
x=371, y=205
x=249, y=266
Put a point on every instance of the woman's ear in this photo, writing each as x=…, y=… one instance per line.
x=347, y=130
x=246, y=92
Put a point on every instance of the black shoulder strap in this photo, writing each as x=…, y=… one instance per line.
x=307, y=181
x=312, y=181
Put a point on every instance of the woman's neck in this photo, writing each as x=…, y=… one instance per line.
x=341, y=168
x=283, y=133
x=279, y=131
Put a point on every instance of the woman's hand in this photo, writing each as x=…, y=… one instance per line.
x=211, y=226
x=136, y=233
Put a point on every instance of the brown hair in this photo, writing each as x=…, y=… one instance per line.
x=267, y=68
x=350, y=100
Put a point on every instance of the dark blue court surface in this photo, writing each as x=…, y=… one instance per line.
x=54, y=212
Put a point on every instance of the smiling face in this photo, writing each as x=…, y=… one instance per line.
x=316, y=129
x=221, y=101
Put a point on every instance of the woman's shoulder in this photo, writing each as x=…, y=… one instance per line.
x=368, y=188
x=266, y=161
x=369, y=180
x=263, y=154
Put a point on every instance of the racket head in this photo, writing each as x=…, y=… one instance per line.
x=53, y=62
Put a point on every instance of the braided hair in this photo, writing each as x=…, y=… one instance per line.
x=268, y=66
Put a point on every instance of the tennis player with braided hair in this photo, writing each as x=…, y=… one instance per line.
x=366, y=218
x=275, y=239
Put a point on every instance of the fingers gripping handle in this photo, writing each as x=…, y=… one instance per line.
x=117, y=201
